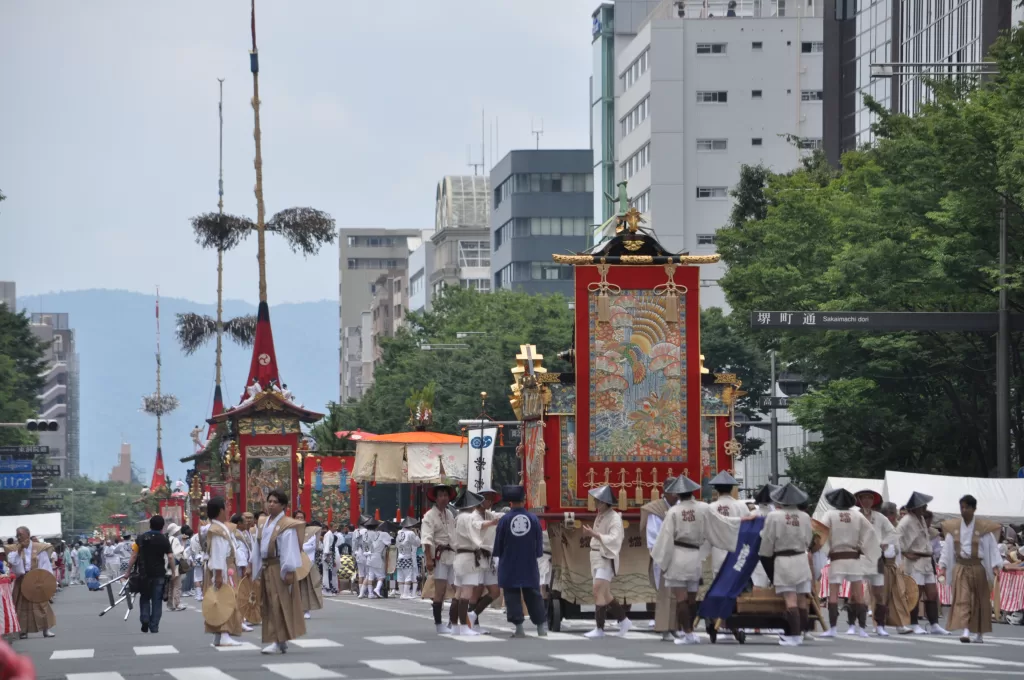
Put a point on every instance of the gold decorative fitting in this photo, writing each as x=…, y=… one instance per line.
x=726, y=379
x=604, y=290
x=671, y=290
x=633, y=220
x=733, y=448
x=635, y=259
x=633, y=246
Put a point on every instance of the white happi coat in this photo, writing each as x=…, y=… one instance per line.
x=850, y=531
x=694, y=523
x=469, y=535
x=784, y=530
x=914, y=538
x=438, y=529
x=726, y=506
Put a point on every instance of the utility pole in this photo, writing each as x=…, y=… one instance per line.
x=1003, y=358
x=774, y=443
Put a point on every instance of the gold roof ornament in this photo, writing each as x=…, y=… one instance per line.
x=633, y=220
x=529, y=396
x=703, y=370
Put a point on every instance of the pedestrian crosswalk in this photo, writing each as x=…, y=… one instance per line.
x=654, y=662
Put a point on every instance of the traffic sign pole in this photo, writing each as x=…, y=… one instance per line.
x=774, y=445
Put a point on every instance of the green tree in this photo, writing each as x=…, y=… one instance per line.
x=909, y=225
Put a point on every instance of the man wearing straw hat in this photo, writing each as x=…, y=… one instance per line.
x=274, y=562
x=680, y=549
x=727, y=506
x=881, y=577
x=376, y=544
x=488, y=591
x=407, y=542
x=652, y=517
x=28, y=556
x=359, y=583
x=438, y=537
x=606, y=536
x=784, y=541
x=219, y=569
x=916, y=546
x=851, y=538
x=472, y=555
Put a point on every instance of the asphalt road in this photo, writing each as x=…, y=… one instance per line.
x=371, y=639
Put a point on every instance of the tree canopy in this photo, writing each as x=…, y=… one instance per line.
x=910, y=224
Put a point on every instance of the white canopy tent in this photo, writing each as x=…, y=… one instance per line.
x=46, y=525
x=851, y=484
x=1000, y=500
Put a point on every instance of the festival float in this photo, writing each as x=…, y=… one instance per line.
x=631, y=414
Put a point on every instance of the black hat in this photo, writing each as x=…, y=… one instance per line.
x=468, y=500
x=841, y=499
x=513, y=494
x=723, y=478
x=488, y=490
x=918, y=500
x=682, y=485
x=764, y=494
x=878, y=500
x=409, y=522
x=432, y=492
x=372, y=523
x=790, y=494
x=603, y=494
x=363, y=519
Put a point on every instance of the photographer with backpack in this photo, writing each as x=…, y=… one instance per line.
x=147, y=569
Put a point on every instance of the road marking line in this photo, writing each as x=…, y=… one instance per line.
x=782, y=659
x=1005, y=641
x=472, y=638
x=155, y=650
x=934, y=639
x=393, y=640
x=978, y=659
x=244, y=647
x=403, y=667
x=314, y=643
x=556, y=637
x=72, y=654
x=602, y=661
x=301, y=671
x=905, y=661
x=869, y=640
x=198, y=673
x=95, y=676
x=502, y=663
x=701, y=660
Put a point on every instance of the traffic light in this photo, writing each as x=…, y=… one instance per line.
x=42, y=425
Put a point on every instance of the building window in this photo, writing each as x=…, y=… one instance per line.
x=755, y=94
x=712, y=97
x=549, y=271
x=637, y=161
x=810, y=143
x=712, y=192
x=374, y=263
x=557, y=226
x=757, y=46
x=712, y=144
x=636, y=115
x=705, y=239
x=416, y=284
x=812, y=95
x=482, y=285
x=756, y=141
x=374, y=241
x=812, y=47
x=634, y=71
x=710, y=48
x=642, y=202
x=474, y=254
x=548, y=182
x=503, y=279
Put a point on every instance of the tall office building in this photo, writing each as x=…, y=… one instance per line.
x=702, y=88
x=542, y=204
x=9, y=296
x=947, y=32
x=421, y=264
x=462, y=242
x=58, y=399
x=364, y=255
x=122, y=472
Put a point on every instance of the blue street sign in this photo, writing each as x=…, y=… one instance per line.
x=1020, y=473
x=12, y=481
x=13, y=465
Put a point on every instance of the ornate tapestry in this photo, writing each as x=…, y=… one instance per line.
x=533, y=452
x=708, y=446
x=268, y=467
x=638, y=378
x=567, y=462
x=563, y=399
x=712, y=403
x=570, y=566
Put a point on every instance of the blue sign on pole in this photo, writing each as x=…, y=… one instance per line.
x=1020, y=472
x=13, y=481
x=12, y=465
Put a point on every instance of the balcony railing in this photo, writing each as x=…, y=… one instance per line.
x=744, y=9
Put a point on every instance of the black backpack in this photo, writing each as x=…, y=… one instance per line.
x=138, y=581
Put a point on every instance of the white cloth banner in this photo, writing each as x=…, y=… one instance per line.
x=479, y=457
x=435, y=463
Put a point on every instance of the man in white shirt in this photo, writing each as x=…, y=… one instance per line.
x=407, y=542
x=375, y=544
x=359, y=552
x=223, y=560
x=971, y=551
x=33, y=617
x=652, y=516
x=274, y=563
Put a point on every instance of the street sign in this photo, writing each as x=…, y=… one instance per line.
x=38, y=482
x=982, y=322
x=11, y=464
x=21, y=452
x=46, y=470
x=772, y=402
x=13, y=481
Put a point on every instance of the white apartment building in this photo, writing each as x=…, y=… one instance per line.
x=698, y=94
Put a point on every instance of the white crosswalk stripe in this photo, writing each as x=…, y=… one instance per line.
x=314, y=643
x=403, y=667
x=64, y=654
x=198, y=673
x=393, y=640
x=984, y=660
x=155, y=650
x=1005, y=641
x=784, y=659
x=473, y=638
x=869, y=640
x=95, y=676
x=555, y=637
x=244, y=647
x=502, y=664
x=701, y=660
x=301, y=671
x=937, y=639
x=904, y=661
x=602, y=661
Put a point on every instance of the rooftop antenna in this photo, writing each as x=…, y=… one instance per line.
x=537, y=130
x=469, y=160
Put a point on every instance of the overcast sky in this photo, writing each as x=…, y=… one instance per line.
x=108, y=125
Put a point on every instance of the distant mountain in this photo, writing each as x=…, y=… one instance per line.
x=115, y=336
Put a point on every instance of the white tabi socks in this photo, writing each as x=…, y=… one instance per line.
x=380, y=584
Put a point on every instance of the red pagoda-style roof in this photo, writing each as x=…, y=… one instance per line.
x=218, y=408
x=267, y=400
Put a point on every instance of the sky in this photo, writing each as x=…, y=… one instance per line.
x=109, y=130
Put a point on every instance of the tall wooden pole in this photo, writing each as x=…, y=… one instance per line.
x=254, y=66
x=220, y=252
x=159, y=411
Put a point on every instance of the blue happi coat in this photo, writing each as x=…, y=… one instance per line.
x=518, y=543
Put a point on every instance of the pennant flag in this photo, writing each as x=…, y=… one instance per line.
x=479, y=456
x=158, y=473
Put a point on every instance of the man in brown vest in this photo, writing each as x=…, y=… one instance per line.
x=28, y=555
x=652, y=516
x=275, y=559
